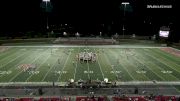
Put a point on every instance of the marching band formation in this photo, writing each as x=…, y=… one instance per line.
x=87, y=56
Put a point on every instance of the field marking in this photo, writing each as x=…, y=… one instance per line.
x=88, y=66
x=12, y=60
x=10, y=50
x=169, y=83
x=163, y=62
x=161, y=67
x=137, y=67
x=88, y=69
x=170, y=54
x=38, y=66
x=22, y=70
x=100, y=66
x=50, y=69
x=96, y=46
x=110, y=65
x=149, y=68
x=174, y=48
x=18, y=62
x=17, y=52
x=64, y=66
x=76, y=66
x=165, y=59
x=125, y=68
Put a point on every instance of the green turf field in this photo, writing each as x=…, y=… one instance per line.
x=60, y=64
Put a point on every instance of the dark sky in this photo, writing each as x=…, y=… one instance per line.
x=22, y=15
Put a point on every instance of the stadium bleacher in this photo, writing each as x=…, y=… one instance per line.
x=101, y=98
x=90, y=98
x=142, y=98
x=38, y=99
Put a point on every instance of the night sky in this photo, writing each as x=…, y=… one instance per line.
x=88, y=15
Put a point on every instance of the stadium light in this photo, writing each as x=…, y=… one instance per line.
x=124, y=3
x=64, y=33
x=123, y=30
x=100, y=34
x=46, y=1
x=77, y=34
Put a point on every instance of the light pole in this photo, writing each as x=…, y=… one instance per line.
x=46, y=1
x=124, y=3
x=123, y=31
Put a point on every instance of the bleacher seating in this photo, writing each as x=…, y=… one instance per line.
x=140, y=98
x=165, y=98
x=38, y=99
x=90, y=99
x=18, y=99
x=84, y=98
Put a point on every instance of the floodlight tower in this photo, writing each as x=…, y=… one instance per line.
x=124, y=3
x=46, y=2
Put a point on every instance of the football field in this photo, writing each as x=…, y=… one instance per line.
x=60, y=64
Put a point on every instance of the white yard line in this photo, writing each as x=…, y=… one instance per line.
x=10, y=56
x=12, y=60
x=110, y=65
x=22, y=70
x=95, y=46
x=100, y=66
x=139, y=69
x=7, y=51
x=150, y=69
x=170, y=53
x=48, y=71
x=38, y=66
x=162, y=63
x=165, y=59
x=75, y=71
x=16, y=64
x=126, y=69
x=174, y=48
x=169, y=83
x=88, y=69
x=88, y=66
x=76, y=66
x=64, y=66
x=150, y=83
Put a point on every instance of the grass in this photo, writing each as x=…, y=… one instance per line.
x=59, y=65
